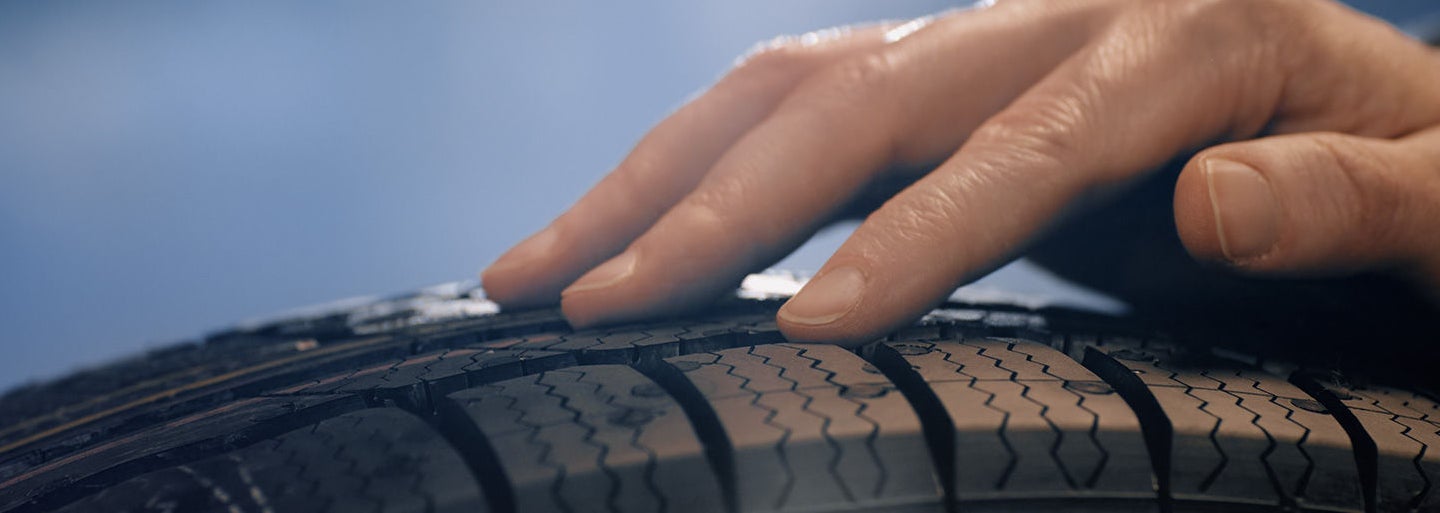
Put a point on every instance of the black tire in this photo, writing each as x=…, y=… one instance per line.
x=435, y=403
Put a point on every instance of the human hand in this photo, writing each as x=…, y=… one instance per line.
x=1034, y=110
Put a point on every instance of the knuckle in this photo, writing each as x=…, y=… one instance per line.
x=1225, y=23
x=705, y=217
x=934, y=215
x=1375, y=186
x=925, y=218
x=1049, y=132
x=1211, y=26
x=720, y=211
x=632, y=189
x=1236, y=53
x=858, y=78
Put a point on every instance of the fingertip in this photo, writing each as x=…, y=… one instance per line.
x=579, y=309
x=1194, y=216
x=810, y=315
x=595, y=297
x=512, y=290
x=826, y=299
x=1226, y=211
x=851, y=332
x=807, y=334
x=829, y=309
x=518, y=278
x=1301, y=204
x=620, y=304
x=578, y=317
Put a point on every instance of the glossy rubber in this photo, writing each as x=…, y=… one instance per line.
x=436, y=402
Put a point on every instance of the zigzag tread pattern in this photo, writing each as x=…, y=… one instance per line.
x=1409, y=464
x=1029, y=421
x=1241, y=433
x=813, y=427
x=1406, y=428
x=597, y=437
x=440, y=371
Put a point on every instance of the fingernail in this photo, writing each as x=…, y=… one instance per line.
x=826, y=298
x=609, y=273
x=1246, y=218
x=528, y=251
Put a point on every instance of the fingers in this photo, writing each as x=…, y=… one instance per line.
x=775, y=186
x=664, y=166
x=1315, y=203
x=787, y=177
x=1117, y=109
x=775, y=163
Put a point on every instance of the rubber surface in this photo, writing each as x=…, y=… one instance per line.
x=436, y=402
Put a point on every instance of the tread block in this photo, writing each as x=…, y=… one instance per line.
x=1386, y=400
x=1030, y=422
x=1409, y=464
x=1410, y=469
x=1309, y=456
x=814, y=427
x=791, y=427
x=593, y=437
x=379, y=460
x=1242, y=434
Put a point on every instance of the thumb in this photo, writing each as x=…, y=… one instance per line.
x=1315, y=203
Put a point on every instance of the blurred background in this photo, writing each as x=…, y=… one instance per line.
x=169, y=167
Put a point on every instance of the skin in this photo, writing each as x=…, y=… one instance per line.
x=1318, y=130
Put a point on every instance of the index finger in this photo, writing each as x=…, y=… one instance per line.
x=664, y=166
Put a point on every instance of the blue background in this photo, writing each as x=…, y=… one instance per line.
x=172, y=166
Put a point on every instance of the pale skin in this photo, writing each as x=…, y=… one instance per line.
x=1318, y=130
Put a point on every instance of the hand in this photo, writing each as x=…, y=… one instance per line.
x=1329, y=162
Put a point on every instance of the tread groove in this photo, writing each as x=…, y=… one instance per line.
x=456, y=428
x=935, y=422
x=523, y=403
x=1367, y=454
x=719, y=451
x=1155, y=425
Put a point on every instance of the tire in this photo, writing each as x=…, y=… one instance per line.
x=434, y=402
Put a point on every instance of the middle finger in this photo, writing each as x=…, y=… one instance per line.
x=910, y=102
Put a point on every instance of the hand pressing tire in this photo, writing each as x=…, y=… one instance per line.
x=1315, y=125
